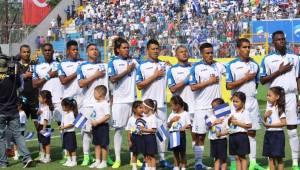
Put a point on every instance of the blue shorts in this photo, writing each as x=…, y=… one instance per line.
x=69, y=141
x=274, y=142
x=138, y=144
x=150, y=144
x=239, y=144
x=101, y=135
x=218, y=149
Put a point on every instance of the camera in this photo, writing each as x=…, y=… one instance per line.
x=8, y=65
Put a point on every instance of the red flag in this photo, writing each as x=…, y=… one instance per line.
x=34, y=11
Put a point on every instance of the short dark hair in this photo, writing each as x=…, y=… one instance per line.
x=180, y=46
x=240, y=41
x=218, y=101
x=205, y=45
x=152, y=41
x=277, y=32
x=117, y=44
x=24, y=46
x=47, y=44
x=91, y=44
x=71, y=43
x=240, y=95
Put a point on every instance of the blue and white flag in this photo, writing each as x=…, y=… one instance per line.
x=162, y=133
x=80, y=121
x=222, y=110
x=174, y=139
x=29, y=135
x=196, y=7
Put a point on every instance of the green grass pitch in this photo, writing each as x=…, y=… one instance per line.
x=125, y=155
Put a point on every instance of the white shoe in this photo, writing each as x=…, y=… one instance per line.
x=45, y=161
x=205, y=167
x=94, y=165
x=16, y=157
x=101, y=165
x=67, y=163
x=72, y=164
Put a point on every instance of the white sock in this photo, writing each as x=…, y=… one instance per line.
x=86, y=141
x=176, y=168
x=74, y=158
x=134, y=166
x=146, y=165
x=153, y=168
x=42, y=154
x=161, y=146
x=98, y=161
x=232, y=158
x=294, y=144
x=131, y=157
x=197, y=150
x=118, y=143
x=104, y=162
x=183, y=169
x=47, y=156
x=193, y=144
x=201, y=153
x=69, y=159
x=252, y=155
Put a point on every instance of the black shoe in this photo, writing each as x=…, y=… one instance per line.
x=29, y=163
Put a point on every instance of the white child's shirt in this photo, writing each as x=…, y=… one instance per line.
x=183, y=121
x=151, y=122
x=23, y=119
x=100, y=110
x=45, y=115
x=213, y=130
x=274, y=118
x=131, y=125
x=68, y=118
x=243, y=117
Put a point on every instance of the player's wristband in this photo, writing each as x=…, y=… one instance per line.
x=47, y=77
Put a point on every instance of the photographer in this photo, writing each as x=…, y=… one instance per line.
x=28, y=92
x=10, y=81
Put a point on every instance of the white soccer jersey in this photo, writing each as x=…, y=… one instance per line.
x=86, y=70
x=66, y=68
x=125, y=89
x=271, y=63
x=53, y=85
x=202, y=72
x=151, y=122
x=157, y=89
x=237, y=69
x=67, y=119
x=100, y=110
x=177, y=74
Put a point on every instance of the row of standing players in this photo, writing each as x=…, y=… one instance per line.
x=198, y=85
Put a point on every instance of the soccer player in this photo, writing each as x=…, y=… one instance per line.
x=121, y=72
x=45, y=77
x=67, y=76
x=242, y=74
x=281, y=68
x=151, y=79
x=178, y=80
x=90, y=74
x=205, y=82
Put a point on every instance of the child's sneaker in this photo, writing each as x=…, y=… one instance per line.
x=66, y=163
x=102, y=165
x=72, y=164
x=16, y=157
x=139, y=163
x=94, y=165
x=295, y=167
x=110, y=162
x=64, y=160
x=45, y=160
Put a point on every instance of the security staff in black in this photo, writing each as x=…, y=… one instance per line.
x=29, y=93
x=9, y=115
